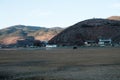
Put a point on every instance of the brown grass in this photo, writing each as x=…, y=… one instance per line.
x=61, y=64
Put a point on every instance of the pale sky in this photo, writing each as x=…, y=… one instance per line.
x=54, y=13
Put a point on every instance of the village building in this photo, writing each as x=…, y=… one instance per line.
x=51, y=46
x=105, y=42
x=90, y=43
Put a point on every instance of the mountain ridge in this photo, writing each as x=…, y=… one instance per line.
x=11, y=34
x=90, y=29
x=114, y=18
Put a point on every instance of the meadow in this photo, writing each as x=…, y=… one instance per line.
x=60, y=64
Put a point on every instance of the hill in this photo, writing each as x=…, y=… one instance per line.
x=11, y=34
x=91, y=29
x=114, y=18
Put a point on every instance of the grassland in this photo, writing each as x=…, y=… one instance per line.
x=60, y=64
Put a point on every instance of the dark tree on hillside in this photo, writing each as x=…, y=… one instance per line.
x=37, y=43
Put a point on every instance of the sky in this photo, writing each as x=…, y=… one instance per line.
x=54, y=13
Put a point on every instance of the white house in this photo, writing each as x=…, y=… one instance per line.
x=51, y=46
x=104, y=42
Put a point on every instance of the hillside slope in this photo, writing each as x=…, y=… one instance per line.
x=114, y=18
x=11, y=34
x=91, y=29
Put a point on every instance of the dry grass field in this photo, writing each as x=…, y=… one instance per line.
x=60, y=64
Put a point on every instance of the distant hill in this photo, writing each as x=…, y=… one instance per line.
x=114, y=18
x=11, y=34
x=91, y=29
